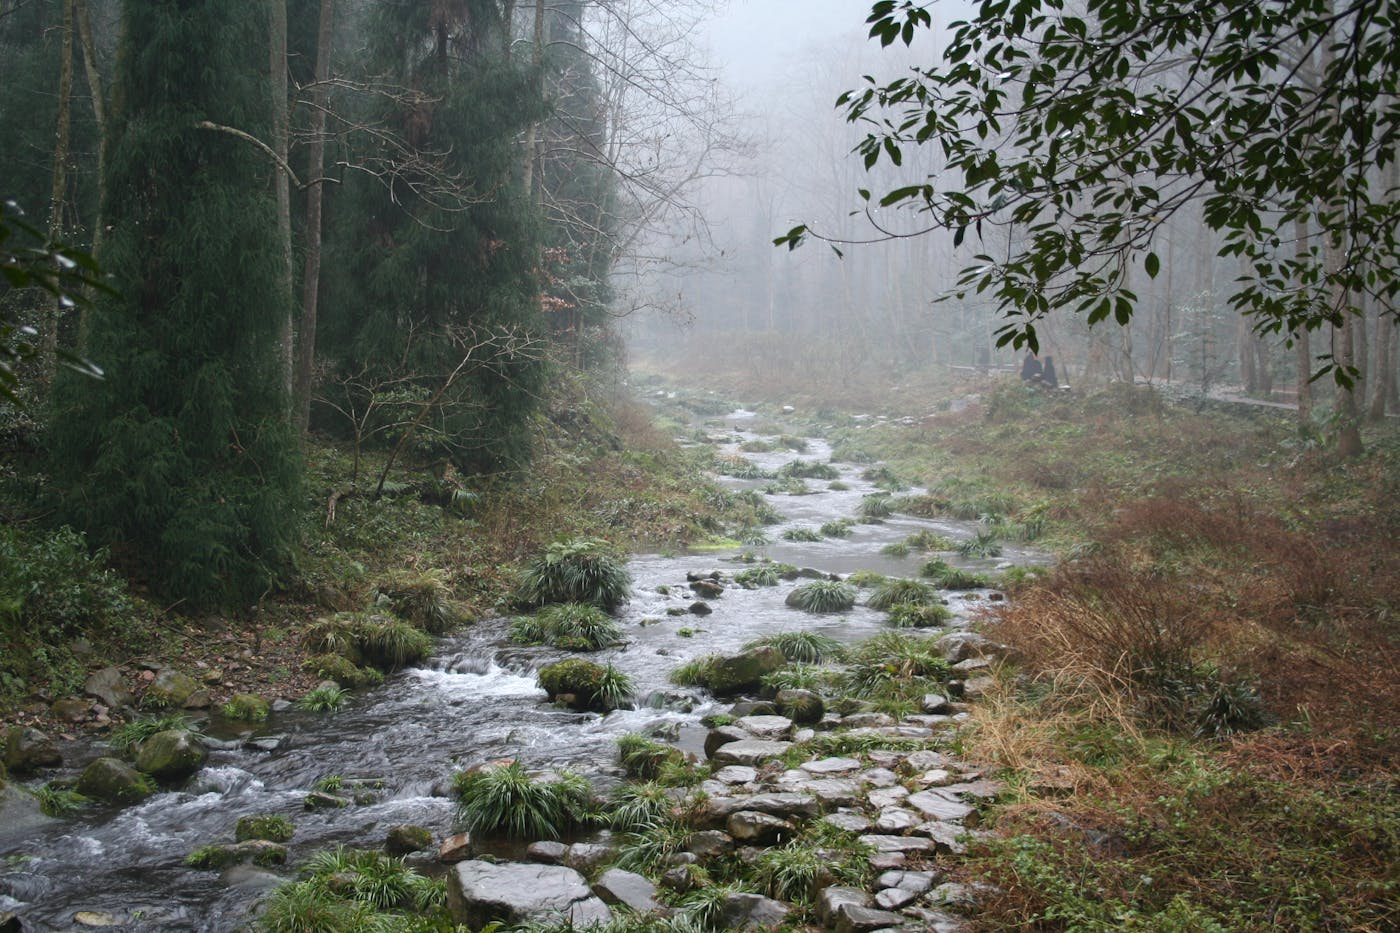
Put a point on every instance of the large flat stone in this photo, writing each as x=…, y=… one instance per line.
x=830, y=765
x=750, y=752
x=939, y=806
x=766, y=727
x=630, y=890
x=898, y=843
x=479, y=893
x=799, y=806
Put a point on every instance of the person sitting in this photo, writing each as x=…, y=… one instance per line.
x=1048, y=374
x=1030, y=369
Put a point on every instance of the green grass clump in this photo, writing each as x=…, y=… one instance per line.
x=581, y=570
x=593, y=686
x=951, y=578
x=644, y=758
x=789, y=442
x=246, y=707
x=929, y=541
x=343, y=671
x=753, y=537
x=756, y=446
x=571, y=626
x=753, y=577
x=506, y=801
x=927, y=615
x=793, y=871
x=900, y=592
x=424, y=598
x=56, y=800
x=803, y=677
x=801, y=647
x=636, y=808
x=982, y=544
x=131, y=734
x=894, y=664
x=326, y=698
x=895, y=549
x=390, y=644
x=695, y=672
x=837, y=529
x=837, y=486
x=810, y=469
x=356, y=891
x=273, y=827
x=801, y=534
x=866, y=578
x=821, y=596
x=875, y=507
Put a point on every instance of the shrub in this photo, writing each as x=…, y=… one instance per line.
x=577, y=571
x=897, y=592
x=802, y=647
x=390, y=644
x=343, y=671
x=324, y=699
x=571, y=626
x=505, y=801
x=821, y=596
x=423, y=598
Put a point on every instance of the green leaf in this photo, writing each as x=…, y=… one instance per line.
x=1152, y=264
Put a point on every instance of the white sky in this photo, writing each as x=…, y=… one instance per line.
x=753, y=40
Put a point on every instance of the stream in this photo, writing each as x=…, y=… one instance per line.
x=475, y=701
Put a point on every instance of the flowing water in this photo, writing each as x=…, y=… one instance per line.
x=476, y=701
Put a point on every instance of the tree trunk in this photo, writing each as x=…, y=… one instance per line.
x=1244, y=351
x=1384, y=381
x=60, y=185
x=277, y=67
x=1302, y=345
x=532, y=134
x=311, y=277
x=97, y=94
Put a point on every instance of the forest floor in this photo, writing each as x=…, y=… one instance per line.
x=1203, y=729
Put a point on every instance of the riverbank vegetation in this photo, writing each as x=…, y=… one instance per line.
x=1202, y=725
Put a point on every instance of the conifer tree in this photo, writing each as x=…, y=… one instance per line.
x=183, y=458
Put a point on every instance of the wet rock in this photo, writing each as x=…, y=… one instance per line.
x=71, y=709
x=894, y=898
x=27, y=750
x=745, y=671
x=169, y=690
x=262, y=852
x=867, y=720
x=692, y=576
x=682, y=878
x=894, y=820
x=114, y=781
x=791, y=806
x=850, y=822
x=854, y=919
x=830, y=765
x=835, y=899
x=946, y=837
x=721, y=736
x=887, y=796
x=457, y=848
x=971, y=666
x=171, y=755
x=9, y=923
x=887, y=861
x=915, y=881
x=707, y=589
x=749, y=826
x=480, y=893
x=265, y=743
x=801, y=706
x=406, y=838
x=978, y=687
x=320, y=800
x=935, y=703
x=95, y=918
x=752, y=708
x=249, y=878
x=938, y=806
x=709, y=843
x=880, y=777
x=587, y=856
x=736, y=774
x=959, y=646
x=766, y=727
x=830, y=792
x=626, y=889
x=281, y=705
x=699, y=609
x=882, y=843
x=750, y=752
x=751, y=912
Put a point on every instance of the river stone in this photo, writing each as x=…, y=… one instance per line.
x=249, y=878
x=938, y=921
x=170, y=755
x=882, y=843
x=405, y=838
x=10, y=923
x=744, y=911
x=802, y=706
x=722, y=735
x=19, y=814
x=959, y=646
x=709, y=843
x=766, y=727
x=974, y=788
x=736, y=774
x=879, y=777
x=883, y=797
x=924, y=760
x=935, y=703
x=588, y=856
x=71, y=709
x=935, y=778
x=945, y=836
x=895, y=820
x=796, y=806
x=740, y=672
x=752, y=708
x=938, y=806
x=320, y=800
x=915, y=881
x=95, y=918
x=479, y=893
x=707, y=589
x=830, y=765
x=970, y=666
x=850, y=822
x=749, y=826
x=867, y=721
x=895, y=898
x=114, y=781
x=700, y=608
x=853, y=919
x=978, y=687
x=27, y=750
x=626, y=889
x=170, y=689
x=750, y=752
x=830, y=792
x=456, y=848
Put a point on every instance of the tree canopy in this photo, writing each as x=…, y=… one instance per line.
x=1086, y=131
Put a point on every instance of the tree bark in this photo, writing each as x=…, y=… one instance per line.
x=1384, y=381
x=311, y=276
x=98, y=95
x=532, y=134
x=277, y=68
x=62, y=135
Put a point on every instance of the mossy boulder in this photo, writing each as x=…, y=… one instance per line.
x=407, y=838
x=246, y=706
x=171, y=755
x=801, y=706
x=574, y=682
x=114, y=781
x=170, y=690
x=258, y=851
x=343, y=671
x=743, y=672
x=27, y=750
x=273, y=827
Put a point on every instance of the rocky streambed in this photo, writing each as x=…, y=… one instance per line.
x=885, y=782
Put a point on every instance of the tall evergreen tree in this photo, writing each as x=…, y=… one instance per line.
x=183, y=457
x=439, y=244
